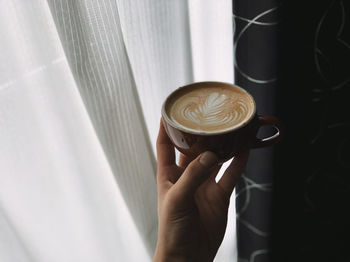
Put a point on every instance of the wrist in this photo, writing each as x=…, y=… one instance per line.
x=162, y=256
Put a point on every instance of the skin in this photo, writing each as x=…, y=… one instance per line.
x=192, y=206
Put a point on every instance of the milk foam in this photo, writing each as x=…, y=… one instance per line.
x=211, y=109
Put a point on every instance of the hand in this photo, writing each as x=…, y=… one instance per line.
x=192, y=207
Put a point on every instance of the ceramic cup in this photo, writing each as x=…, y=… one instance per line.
x=225, y=144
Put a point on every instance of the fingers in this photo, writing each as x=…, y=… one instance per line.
x=165, y=149
x=195, y=174
x=214, y=173
x=184, y=160
x=233, y=173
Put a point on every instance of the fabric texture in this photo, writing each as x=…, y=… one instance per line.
x=103, y=75
x=59, y=200
x=81, y=86
x=293, y=56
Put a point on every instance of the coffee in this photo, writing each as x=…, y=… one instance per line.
x=210, y=108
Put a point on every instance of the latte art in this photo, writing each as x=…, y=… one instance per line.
x=213, y=112
x=210, y=108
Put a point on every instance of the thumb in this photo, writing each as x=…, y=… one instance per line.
x=195, y=174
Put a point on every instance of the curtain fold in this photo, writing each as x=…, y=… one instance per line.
x=91, y=35
x=58, y=197
x=157, y=42
x=211, y=38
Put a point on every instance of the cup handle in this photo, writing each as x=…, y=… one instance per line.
x=268, y=141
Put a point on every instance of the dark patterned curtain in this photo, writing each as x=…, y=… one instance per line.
x=294, y=199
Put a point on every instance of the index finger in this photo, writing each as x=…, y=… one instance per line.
x=165, y=149
x=234, y=171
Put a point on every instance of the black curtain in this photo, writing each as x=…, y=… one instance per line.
x=294, y=199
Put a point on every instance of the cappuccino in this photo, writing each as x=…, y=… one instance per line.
x=210, y=108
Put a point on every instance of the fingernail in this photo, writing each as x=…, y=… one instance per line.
x=208, y=159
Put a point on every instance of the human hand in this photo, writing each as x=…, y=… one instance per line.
x=192, y=207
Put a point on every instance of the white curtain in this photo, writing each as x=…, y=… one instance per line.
x=81, y=86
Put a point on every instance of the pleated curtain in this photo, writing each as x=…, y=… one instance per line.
x=81, y=87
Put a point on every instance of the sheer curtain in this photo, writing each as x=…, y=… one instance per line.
x=81, y=86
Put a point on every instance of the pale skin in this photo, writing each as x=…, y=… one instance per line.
x=192, y=206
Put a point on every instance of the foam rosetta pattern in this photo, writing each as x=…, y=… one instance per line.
x=212, y=112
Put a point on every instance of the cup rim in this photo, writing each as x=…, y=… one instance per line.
x=206, y=133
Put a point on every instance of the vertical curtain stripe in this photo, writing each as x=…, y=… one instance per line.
x=95, y=50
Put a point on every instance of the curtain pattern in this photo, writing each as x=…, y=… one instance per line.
x=255, y=62
x=294, y=58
